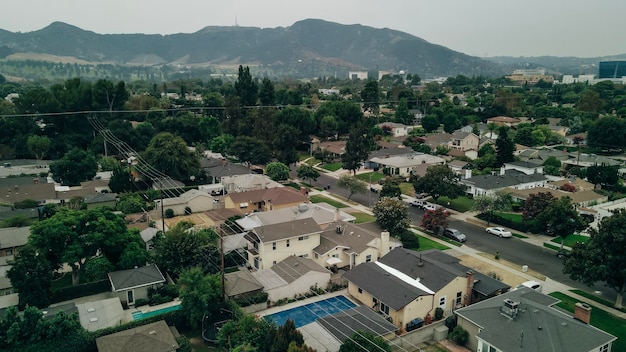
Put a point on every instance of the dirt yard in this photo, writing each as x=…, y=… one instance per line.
x=506, y=276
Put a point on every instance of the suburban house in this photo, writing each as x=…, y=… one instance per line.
x=247, y=182
x=404, y=165
x=436, y=139
x=348, y=245
x=217, y=168
x=580, y=198
x=97, y=200
x=13, y=190
x=481, y=185
x=155, y=337
x=264, y=199
x=404, y=285
x=504, y=121
x=586, y=160
x=193, y=200
x=11, y=239
x=396, y=150
x=396, y=129
x=458, y=167
x=335, y=148
x=572, y=139
x=464, y=141
x=270, y=244
x=242, y=285
x=578, y=183
x=291, y=277
x=528, y=167
x=527, y=320
x=133, y=284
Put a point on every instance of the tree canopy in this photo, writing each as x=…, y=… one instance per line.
x=352, y=184
x=438, y=181
x=601, y=258
x=392, y=214
x=169, y=154
x=74, y=167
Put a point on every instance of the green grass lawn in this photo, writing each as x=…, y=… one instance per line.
x=510, y=216
x=312, y=161
x=599, y=318
x=332, y=166
x=407, y=189
x=427, y=243
x=63, y=281
x=375, y=177
x=460, y=204
x=518, y=235
x=321, y=199
x=571, y=240
x=596, y=299
x=362, y=217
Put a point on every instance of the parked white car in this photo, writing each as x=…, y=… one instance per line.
x=499, y=231
x=531, y=284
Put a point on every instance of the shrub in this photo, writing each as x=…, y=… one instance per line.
x=459, y=336
x=438, y=313
x=187, y=210
x=140, y=302
x=451, y=322
x=169, y=213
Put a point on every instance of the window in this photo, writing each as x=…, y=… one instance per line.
x=302, y=238
x=368, y=258
x=273, y=246
x=274, y=262
x=442, y=301
x=360, y=290
x=304, y=256
x=604, y=348
x=316, y=255
x=9, y=251
x=384, y=308
x=335, y=255
x=287, y=243
x=459, y=296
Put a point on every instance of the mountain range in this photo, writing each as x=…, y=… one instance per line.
x=307, y=48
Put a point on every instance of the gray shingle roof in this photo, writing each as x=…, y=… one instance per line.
x=138, y=277
x=292, y=268
x=155, y=337
x=509, y=179
x=14, y=236
x=286, y=230
x=544, y=328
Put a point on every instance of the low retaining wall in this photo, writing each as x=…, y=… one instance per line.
x=417, y=336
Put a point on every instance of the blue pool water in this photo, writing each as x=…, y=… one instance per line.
x=308, y=313
x=140, y=315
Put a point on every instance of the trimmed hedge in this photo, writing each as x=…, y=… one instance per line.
x=71, y=292
x=529, y=226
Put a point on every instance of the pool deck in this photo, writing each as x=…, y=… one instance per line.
x=305, y=301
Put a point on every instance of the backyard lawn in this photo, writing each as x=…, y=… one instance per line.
x=427, y=243
x=599, y=318
x=321, y=199
x=407, y=189
x=460, y=204
x=571, y=240
x=375, y=177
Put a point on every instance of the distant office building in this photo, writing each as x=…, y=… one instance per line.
x=612, y=69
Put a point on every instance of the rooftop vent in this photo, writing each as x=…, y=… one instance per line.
x=152, y=332
x=509, y=308
x=91, y=309
x=93, y=320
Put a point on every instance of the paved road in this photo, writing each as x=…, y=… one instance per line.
x=514, y=250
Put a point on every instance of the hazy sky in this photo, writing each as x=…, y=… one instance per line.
x=582, y=28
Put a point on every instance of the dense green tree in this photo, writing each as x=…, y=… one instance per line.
x=391, y=188
x=184, y=247
x=74, y=167
x=277, y=171
x=607, y=132
x=365, y=341
x=246, y=329
x=535, y=204
x=266, y=92
x=352, y=184
x=357, y=149
x=505, y=147
x=75, y=236
x=392, y=214
x=560, y=218
x=328, y=126
x=169, y=154
x=552, y=166
x=108, y=96
x=135, y=253
x=246, y=88
x=250, y=150
x=601, y=259
x=604, y=175
x=221, y=143
x=121, y=180
x=430, y=123
x=31, y=276
x=197, y=291
x=209, y=128
x=307, y=172
x=499, y=201
x=285, y=143
x=439, y=180
x=98, y=268
x=347, y=114
x=370, y=94
x=287, y=334
x=38, y=146
x=402, y=114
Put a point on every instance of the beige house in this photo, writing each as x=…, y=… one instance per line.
x=405, y=286
x=133, y=284
x=396, y=129
x=195, y=200
x=405, y=165
x=504, y=121
x=464, y=141
x=264, y=199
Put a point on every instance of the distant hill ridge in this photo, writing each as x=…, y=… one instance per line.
x=309, y=47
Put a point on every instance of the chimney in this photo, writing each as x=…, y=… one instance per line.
x=582, y=312
x=471, y=278
x=386, y=156
x=223, y=161
x=384, y=243
x=468, y=174
x=502, y=170
x=303, y=191
x=337, y=215
x=35, y=180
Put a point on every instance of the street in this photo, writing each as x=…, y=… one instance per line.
x=514, y=250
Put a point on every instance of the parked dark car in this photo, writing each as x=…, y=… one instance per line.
x=563, y=253
x=454, y=234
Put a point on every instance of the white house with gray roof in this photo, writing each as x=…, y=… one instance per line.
x=483, y=185
x=132, y=284
x=322, y=213
x=404, y=165
x=525, y=320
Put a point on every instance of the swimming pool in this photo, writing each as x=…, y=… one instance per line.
x=141, y=315
x=308, y=313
